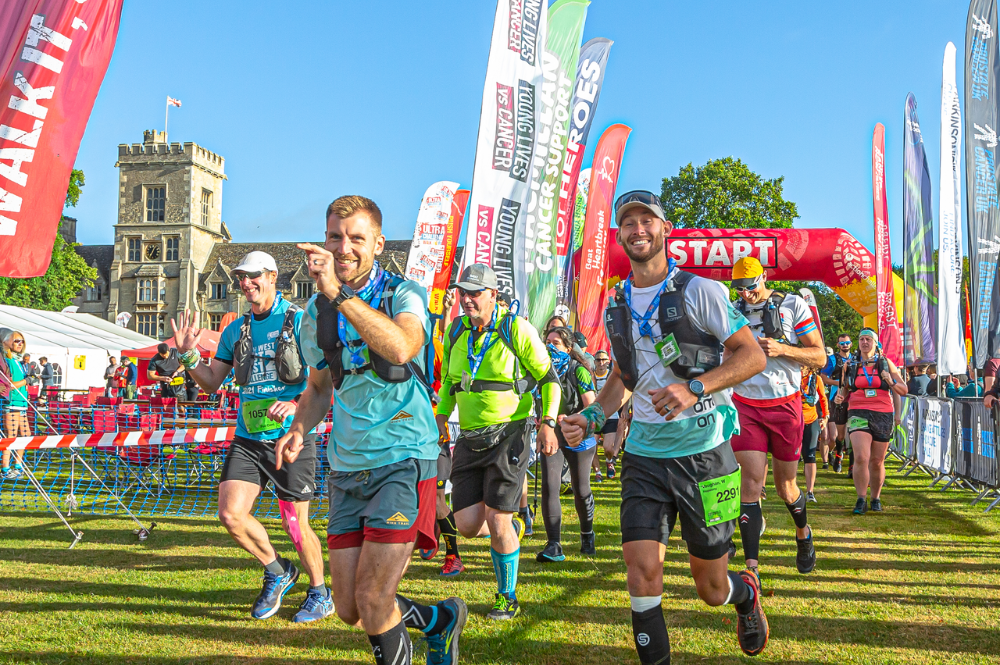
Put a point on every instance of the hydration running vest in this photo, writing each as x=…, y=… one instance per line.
x=811, y=394
x=699, y=351
x=328, y=340
x=770, y=317
x=287, y=359
x=521, y=384
x=852, y=370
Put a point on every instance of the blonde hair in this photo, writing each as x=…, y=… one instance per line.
x=346, y=206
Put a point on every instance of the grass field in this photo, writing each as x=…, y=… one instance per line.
x=917, y=584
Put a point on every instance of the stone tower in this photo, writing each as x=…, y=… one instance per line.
x=169, y=220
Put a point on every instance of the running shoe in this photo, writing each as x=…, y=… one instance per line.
x=811, y=497
x=598, y=478
x=805, y=559
x=752, y=629
x=428, y=554
x=588, y=543
x=315, y=607
x=528, y=517
x=829, y=459
x=518, y=525
x=567, y=488
x=611, y=470
x=13, y=474
x=274, y=589
x=763, y=493
x=442, y=648
x=452, y=566
x=838, y=463
x=504, y=609
x=861, y=507
x=826, y=465
x=850, y=471
x=552, y=553
x=756, y=571
x=876, y=505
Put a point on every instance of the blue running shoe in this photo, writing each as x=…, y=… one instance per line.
x=274, y=589
x=314, y=607
x=442, y=649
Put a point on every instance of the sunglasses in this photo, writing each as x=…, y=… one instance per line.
x=469, y=294
x=752, y=287
x=639, y=196
x=847, y=343
x=17, y=341
x=601, y=360
x=238, y=276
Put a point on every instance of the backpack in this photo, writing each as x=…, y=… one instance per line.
x=770, y=317
x=287, y=359
x=520, y=385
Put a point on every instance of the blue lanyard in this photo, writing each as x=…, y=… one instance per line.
x=645, y=326
x=373, y=290
x=476, y=359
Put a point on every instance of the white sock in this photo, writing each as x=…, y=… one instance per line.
x=643, y=603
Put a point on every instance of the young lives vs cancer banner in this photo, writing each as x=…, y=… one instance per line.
x=888, y=319
x=506, y=142
x=54, y=56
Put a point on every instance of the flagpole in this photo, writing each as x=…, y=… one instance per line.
x=166, y=117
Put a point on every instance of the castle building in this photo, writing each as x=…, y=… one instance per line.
x=172, y=250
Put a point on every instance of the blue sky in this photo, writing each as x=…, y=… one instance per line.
x=312, y=100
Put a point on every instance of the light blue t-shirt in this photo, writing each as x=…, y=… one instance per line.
x=376, y=423
x=264, y=381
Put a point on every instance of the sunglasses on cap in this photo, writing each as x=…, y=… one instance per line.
x=751, y=287
x=469, y=294
x=238, y=276
x=639, y=196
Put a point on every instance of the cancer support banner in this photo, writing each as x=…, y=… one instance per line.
x=536, y=264
x=982, y=69
x=592, y=297
x=951, y=358
x=53, y=57
x=888, y=321
x=506, y=140
x=589, y=79
x=919, y=300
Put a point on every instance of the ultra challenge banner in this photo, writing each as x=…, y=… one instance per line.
x=53, y=57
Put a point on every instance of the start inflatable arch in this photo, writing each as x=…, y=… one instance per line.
x=831, y=256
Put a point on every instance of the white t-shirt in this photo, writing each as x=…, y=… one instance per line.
x=782, y=378
x=702, y=426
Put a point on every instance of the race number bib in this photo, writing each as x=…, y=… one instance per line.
x=720, y=498
x=255, y=416
x=871, y=393
x=668, y=350
x=857, y=423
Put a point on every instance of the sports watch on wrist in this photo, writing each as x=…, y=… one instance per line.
x=346, y=293
x=696, y=387
x=551, y=422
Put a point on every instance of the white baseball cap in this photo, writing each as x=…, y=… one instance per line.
x=257, y=262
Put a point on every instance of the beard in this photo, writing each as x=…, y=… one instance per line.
x=648, y=253
x=356, y=274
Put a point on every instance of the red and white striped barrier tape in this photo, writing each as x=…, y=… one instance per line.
x=119, y=439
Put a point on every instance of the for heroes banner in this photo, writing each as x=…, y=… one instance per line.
x=982, y=70
x=888, y=319
x=535, y=267
x=506, y=140
x=53, y=57
x=589, y=78
x=919, y=301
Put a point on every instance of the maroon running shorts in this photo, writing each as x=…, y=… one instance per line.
x=771, y=429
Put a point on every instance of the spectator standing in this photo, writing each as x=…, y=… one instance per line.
x=919, y=382
x=110, y=382
x=13, y=389
x=130, y=377
x=30, y=370
x=164, y=367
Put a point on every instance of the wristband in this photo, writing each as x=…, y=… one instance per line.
x=190, y=359
x=595, y=418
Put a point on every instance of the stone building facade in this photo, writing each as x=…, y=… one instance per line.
x=172, y=251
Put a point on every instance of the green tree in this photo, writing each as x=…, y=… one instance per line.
x=67, y=275
x=726, y=194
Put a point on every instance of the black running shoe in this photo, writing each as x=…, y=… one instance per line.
x=588, y=543
x=805, y=559
x=504, y=609
x=829, y=459
x=838, y=463
x=752, y=629
x=861, y=507
x=876, y=505
x=850, y=471
x=552, y=553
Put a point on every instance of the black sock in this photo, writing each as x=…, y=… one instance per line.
x=449, y=532
x=279, y=566
x=798, y=511
x=751, y=519
x=416, y=615
x=393, y=647
x=850, y=457
x=651, y=639
x=839, y=448
x=743, y=594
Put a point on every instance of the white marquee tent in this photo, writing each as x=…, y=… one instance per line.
x=80, y=343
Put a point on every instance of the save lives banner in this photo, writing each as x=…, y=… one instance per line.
x=888, y=321
x=592, y=297
x=982, y=69
x=53, y=57
x=506, y=142
x=950, y=336
x=589, y=78
x=536, y=264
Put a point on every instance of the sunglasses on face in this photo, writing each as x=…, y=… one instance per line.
x=747, y=289
x=469, y=294
x=601, y=360
x=847, y=343
x=238, y=276
x=638, y=196
x=17, y=341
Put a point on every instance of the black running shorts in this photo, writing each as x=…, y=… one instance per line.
x=610, y=425
x=494, y=476
x=875, y=423
x=656, y=491
x=253, y=462
x=838, y=413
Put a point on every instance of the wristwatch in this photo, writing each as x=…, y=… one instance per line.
x=551, y=422
x=346, y=293
x=696, y=387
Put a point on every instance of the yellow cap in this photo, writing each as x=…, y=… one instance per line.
x=747, y=267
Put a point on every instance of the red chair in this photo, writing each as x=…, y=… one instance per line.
x=149, y=422
x=109, y=401
x=105, y=421
x=93, y=394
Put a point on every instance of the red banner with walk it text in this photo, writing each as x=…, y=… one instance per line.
x=53, y=57
x=594, y=251
x=888, y=322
